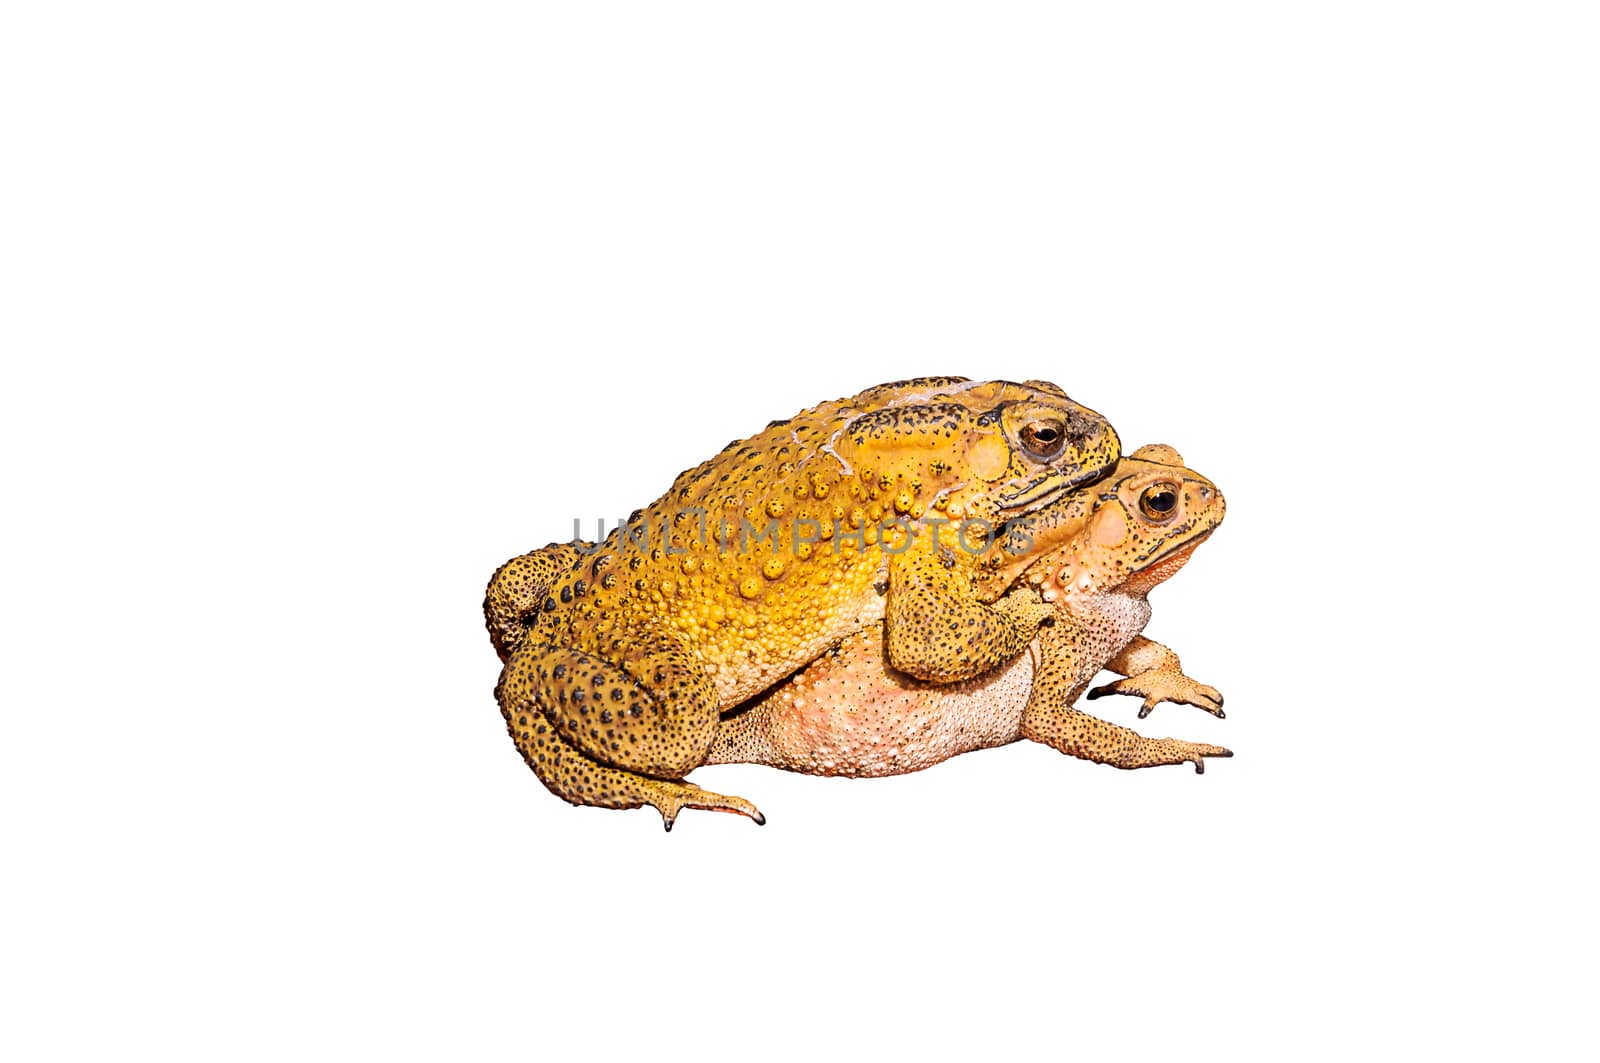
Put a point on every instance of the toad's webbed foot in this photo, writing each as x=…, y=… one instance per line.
x=674, y=796
x=1161, y=685
x=1155, y=673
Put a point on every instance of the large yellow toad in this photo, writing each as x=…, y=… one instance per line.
x=620, y=656
x=847, y=714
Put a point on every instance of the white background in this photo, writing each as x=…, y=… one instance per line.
x=315, y=313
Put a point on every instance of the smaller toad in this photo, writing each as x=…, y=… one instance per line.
x=849, y=714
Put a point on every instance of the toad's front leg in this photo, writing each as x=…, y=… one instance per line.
x=936, y=628
x=1155, y=674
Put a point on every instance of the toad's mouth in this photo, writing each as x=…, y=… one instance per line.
x=1183, y=549
x=1047, y=488
x=1176, y=550
x=1164, y=565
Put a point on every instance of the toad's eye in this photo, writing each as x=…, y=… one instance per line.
x=1159, y=501
x=1043, y=439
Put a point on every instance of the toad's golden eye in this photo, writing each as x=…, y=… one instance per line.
x=1159, y=501
x=1044, y=439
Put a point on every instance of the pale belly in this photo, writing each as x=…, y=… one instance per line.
x=849, y=714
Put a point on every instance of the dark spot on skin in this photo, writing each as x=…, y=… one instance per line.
x=1081, y=428
x=566, y=595
x=549, y=605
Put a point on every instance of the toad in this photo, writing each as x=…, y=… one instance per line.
x=848, y=713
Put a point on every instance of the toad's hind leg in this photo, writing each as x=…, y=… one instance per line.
x=936, y=628
x=1063, y=669
x=594, y=735
x=1078, y=734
